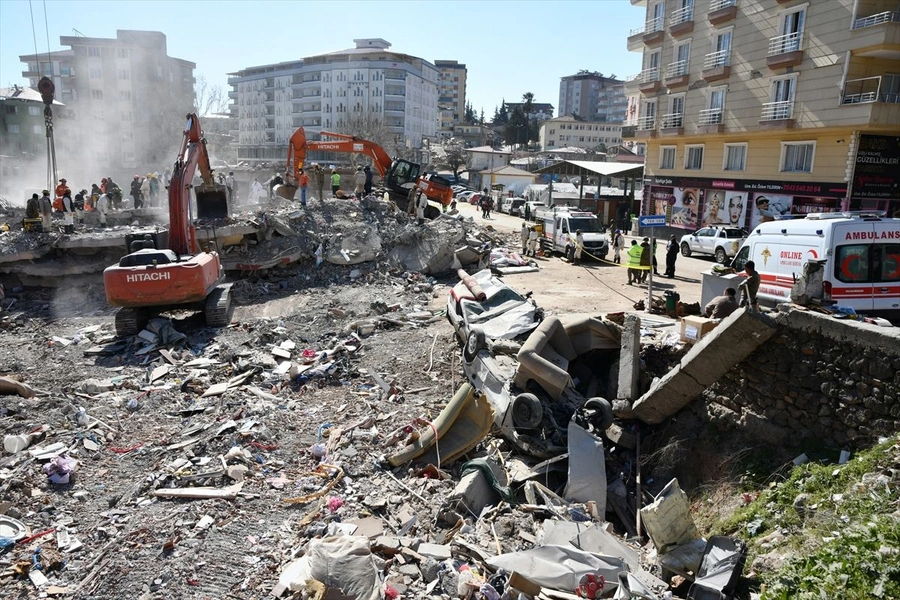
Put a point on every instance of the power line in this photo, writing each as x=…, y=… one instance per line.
x=47, y=29
x=34, y=35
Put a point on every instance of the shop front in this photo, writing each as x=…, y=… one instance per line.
x=876, y=175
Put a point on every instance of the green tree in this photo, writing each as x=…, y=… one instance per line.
x=470, y=117
x=516, y=128
x=501, y=115
x=455, y=156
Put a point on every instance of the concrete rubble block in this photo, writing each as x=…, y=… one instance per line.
x=429, y=249
x=435, y=551
x=353, y=247
x=718, y=352
x=630, y=358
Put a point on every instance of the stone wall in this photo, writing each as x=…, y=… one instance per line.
x=835, y=380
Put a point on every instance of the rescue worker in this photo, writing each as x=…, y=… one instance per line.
x=412, y=200
x=46, y=210
x=750, y=286
x=335, y=182
x=646, y=259
x=303, y=182
x=634, y=263
x=360, y=181
x=618, y=245
x=368, y=172
x=95, y=195
x=532, y=241
x=421, y=205
x=320, y=181
x=154, y=189
x=671, y=256
x=33, y=207
x=136, y=191
x=113, y=194
x=524, y=238
x=60, y=192
x=579, y=246
x=229, y=184
x=102, y=208
x=68, y=212
x=78, y=205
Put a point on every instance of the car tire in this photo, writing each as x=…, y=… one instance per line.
x=685, y=249
x=599, y=413
x=527, y=411
x=721, y=257
x=475, y=343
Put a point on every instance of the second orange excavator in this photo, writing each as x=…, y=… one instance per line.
x=399, y=175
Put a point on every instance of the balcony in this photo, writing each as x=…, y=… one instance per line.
x=777, y=115
x=681, y=21
x=654, y=31
x=716, y=66
x=676, y=74
x=232, y=94
x=785, y=51
x=871, y=21
x=867, y=89
x=672, y=124
x=628, y=131
x=648, y=80
x=646, y=127
x=711, y=121
x=721, y=11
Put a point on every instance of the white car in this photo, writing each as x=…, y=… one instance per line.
x=463, y=196
x=504, y=314
x=722, y=242
x=458, y=188
x=512, y=206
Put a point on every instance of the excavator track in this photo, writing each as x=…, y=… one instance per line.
x=130, y=321
x=219, y=308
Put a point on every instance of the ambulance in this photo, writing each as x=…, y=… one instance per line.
x=861, y=251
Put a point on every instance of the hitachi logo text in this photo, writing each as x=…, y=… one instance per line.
x=156, y=276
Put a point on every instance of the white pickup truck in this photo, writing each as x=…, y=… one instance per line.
x=722, y=242
x=560, y=223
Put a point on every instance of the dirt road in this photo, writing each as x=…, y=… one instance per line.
x=593, y=287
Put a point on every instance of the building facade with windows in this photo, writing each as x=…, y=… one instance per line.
x=747, y=103
x=451, y=94
x=592, y=97
x=387, y=97
x=126, y=99
x=563, y=132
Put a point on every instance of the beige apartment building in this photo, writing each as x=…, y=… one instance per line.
x=752, y=109
x=451, y=94
x=568, y=132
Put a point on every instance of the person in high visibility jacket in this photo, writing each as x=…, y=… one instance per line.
x=335, y=182
x=60, y=192
x=634, y=263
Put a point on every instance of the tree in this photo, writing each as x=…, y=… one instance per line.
x=470, y=117
x=515, y=130
x=502, y=117
x=208, y=98
x=455, y=156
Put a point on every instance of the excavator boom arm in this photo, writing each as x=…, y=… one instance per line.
x=299, y=146
x=193, y=154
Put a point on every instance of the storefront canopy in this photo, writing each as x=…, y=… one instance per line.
x=583, y=168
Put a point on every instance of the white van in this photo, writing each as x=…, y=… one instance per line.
x=861, y=250
x=560, y=223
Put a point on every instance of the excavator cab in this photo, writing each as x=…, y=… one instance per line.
x=212, y=201
x=402, y=175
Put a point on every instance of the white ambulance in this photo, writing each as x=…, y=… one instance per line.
x=861, y=250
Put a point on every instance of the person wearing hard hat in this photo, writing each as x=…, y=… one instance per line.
x=320, y=181
x=46, y=210
x=335, y=182
x=59, y=193
x=360, y=182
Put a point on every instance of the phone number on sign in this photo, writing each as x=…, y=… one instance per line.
x=808, y=189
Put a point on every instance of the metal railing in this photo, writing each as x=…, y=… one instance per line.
x=782, y=44
x=867, y=89
x=646, y=123
x=649, y=75
x=720, y=4
x=634, y=77
x=710, y=116
x=682, y=15
x=722, y=58
x=637, y=31
x=677, y=69
x=672, y=120
x=777, y=111
x=654, y=25
x=884, y=17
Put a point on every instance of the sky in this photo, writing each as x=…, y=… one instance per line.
x=509, y=47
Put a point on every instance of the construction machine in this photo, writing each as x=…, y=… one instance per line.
x=155, y=276
x=399, y=175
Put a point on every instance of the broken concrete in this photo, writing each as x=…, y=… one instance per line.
x=728, y=344
x=630, y=358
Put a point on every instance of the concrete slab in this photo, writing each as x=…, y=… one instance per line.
x=725, y=346
x=630, y=358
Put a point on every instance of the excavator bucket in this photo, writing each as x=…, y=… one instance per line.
x=212, y=202
x=286, y=191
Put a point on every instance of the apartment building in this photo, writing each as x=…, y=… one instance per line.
x=752, y=109
x=126, y=99
x=592, y=97
x=451, y=93
x=569, y=132
x=368, y=87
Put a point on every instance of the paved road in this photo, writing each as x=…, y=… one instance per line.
x=594, y=287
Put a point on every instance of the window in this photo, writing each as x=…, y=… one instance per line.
x=37, y=129
x=735, y=157
x=10, y=110
x=96, y=94
x=675, y=117
x=890, y=88
x=122, y=52
x=124, y=74
x=34, y=111
x=124, y=95
x=96, y=74
x=93, y=51
x=791, y=32
x=682, y=59
x=693, y=157
x=12, y=128
x=797, y=157
x=721, y=48
x=667, y=157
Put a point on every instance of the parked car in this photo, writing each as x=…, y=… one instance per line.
x=532, y=205
x=458, y=188
x=503, y=314
x=463, y=196
x=512, y=206
x=722, y=242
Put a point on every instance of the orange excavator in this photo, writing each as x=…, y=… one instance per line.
x=149, y=279
x=399, y=175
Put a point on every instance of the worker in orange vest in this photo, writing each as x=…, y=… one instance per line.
x=60, y=192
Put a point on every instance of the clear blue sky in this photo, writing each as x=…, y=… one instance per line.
x=509, y=47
